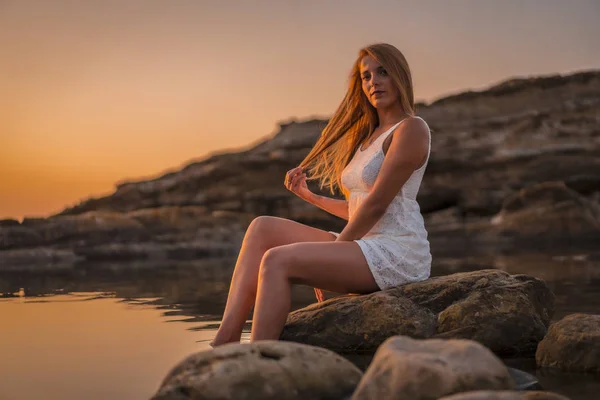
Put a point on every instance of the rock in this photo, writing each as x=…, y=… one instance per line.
x=585, y=184
x=435, y=200
x=517, y=134
x=19, y=236
x=504, y=395
x=9, y=222
x=513, y=136
x=509, y=314
x=157, y=251
x=572, y=344
x=121, y=252
x=261, y=370
x=95, y=225
x=549, y=208
x=170, y=218
x=404, y=368
x=523, y=380
x=358, y=323
x=539, y=196
x=32, y=221
x=36, y=256
x=178, y=232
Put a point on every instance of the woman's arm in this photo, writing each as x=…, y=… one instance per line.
x=295, y=181
x=336, y=207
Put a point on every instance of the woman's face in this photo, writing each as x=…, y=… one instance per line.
x=377, y=85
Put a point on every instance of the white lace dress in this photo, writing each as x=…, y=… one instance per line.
x=396, y=248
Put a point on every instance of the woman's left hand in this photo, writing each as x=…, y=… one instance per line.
x=295, y=181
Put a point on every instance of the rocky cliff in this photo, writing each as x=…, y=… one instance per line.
x=518, y=162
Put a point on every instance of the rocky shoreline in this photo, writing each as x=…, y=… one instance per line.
x=428, y=340
x=517, y=164
x=515, y=167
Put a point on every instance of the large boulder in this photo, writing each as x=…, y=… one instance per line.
x=573, y=344
x=261, y=370
x=549, y=209
x=405, y=368
x=359, y=323
x=509, y=314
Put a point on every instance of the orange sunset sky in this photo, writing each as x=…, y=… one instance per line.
x=93, y=92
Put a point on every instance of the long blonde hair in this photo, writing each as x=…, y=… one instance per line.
x=355, y=119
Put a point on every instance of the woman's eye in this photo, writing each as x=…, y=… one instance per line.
x=383, y=72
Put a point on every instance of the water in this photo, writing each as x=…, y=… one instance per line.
x=99, y=331
x=85, y=346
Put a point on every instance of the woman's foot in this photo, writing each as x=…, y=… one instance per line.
x=221, y=338
x=214, y=343
x=224, y=336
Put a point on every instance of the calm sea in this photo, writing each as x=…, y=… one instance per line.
x=100, y=331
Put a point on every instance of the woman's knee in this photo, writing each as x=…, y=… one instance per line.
x=276, y=261
x=261, y=229
x=260, y=223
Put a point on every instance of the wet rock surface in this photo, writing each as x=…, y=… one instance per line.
x=572, y=344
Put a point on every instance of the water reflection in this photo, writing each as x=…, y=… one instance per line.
x=100, y=329
x=196, y=289
x=576, y=386
x=87, y=346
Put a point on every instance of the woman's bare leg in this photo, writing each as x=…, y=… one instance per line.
x=337, y=267
x=264, y=233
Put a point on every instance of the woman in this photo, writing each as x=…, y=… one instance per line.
x=375, y=150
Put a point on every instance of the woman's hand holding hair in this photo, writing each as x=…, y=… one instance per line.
x=295, y=181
